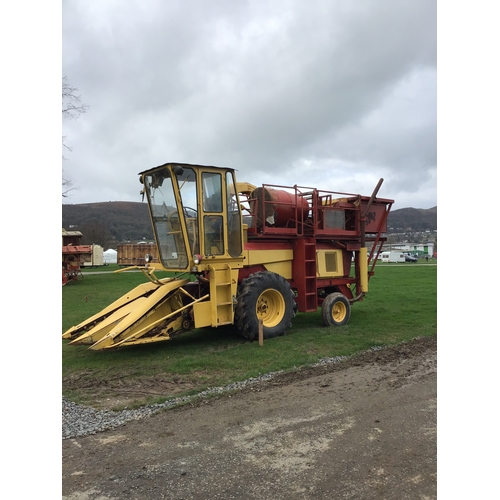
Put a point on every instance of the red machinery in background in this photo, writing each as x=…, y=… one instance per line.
x=72, y=255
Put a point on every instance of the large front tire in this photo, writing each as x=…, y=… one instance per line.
x=267, y=296
x=336, y=310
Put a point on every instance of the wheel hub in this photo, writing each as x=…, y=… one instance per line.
x=339, y=311
x=270, y=307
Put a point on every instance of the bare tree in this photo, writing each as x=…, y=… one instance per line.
x=72, y=108
x=67, y=186
x=94, y=232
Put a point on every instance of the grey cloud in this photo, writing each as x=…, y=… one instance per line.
x=260, y=86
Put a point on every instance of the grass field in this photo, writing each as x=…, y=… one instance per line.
x=401, y=304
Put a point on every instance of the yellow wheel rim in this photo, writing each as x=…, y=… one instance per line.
x=270, y=307
x=339, y=311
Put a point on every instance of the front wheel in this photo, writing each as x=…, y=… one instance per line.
x=336, y=310
x=268, y=297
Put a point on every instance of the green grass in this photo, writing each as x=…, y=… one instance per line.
x=401, y=304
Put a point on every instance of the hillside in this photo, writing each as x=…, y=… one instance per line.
x=412, y=219
x=109, y=223
x=112, y=222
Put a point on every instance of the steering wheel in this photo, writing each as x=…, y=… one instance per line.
x=175, y=215
x=190, y=215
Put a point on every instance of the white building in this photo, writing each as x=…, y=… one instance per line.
x=418, y=248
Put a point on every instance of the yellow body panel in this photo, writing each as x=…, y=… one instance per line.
x=329, y=263
x=282, y=268
x=223, y=288
x=277, y=261
x=202, y=312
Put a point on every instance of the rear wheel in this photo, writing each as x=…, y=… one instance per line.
x=336, y=310
x=267, y=296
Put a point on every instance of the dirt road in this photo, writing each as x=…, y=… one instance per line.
x=360, y=429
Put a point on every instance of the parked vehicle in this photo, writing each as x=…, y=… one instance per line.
x=95, y=258
x=410, y=258
x=393, y=257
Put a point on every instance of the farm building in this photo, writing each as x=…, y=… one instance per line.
x=425, y=249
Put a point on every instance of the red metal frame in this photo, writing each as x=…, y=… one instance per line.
x=361, y=220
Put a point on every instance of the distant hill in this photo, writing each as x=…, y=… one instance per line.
x=109, y=223
x=412, y=219
x=112, y=222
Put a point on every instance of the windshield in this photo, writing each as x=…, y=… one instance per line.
x=172, y=248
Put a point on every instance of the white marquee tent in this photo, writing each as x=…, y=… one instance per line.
x=110, y=256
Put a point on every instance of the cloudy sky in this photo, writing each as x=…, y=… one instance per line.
x=325, y=93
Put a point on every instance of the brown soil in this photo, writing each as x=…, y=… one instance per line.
x=363, y=428
x=119, y=392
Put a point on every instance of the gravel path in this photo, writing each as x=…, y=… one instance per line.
x=361, y=427
x=78, y=420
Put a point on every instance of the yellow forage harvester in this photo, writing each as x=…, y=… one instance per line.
x=240, y=254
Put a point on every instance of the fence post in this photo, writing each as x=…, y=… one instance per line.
x=261, y=333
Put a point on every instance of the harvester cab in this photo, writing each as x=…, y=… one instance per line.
x=242, y=255
x=195, y=212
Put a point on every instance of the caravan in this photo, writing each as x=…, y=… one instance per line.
x=393, y=257
x=93, y=258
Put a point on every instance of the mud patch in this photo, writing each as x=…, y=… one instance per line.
x=123, y=391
